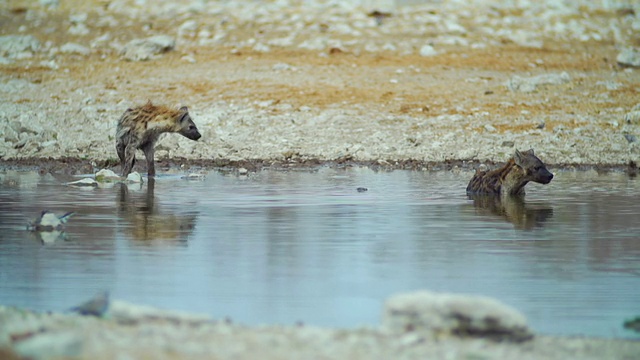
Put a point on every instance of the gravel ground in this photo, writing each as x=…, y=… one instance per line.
x=299, y=81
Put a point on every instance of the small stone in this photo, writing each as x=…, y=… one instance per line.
x=281, y=67
x=630, y=138
x=428, y=50
x=242, y=171
x=489, y=128
x=362, y=189
x=188, y=28
x=83, y=182
x=134, y=177
x=146, y=49
x=73, y=48
x=194, y=176
x=508, y=143
x=632, y=117
x=629, y=57
x=530, y=84
x=106, y=175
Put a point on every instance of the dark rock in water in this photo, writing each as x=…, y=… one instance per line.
x=633, y=324
x=362, y=189
x=630, y=138
x=632, y=169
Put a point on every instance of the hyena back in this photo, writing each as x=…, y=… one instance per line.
x=140, y=128
x=512, y=177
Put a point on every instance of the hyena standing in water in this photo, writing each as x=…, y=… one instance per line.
x=140, y=128
x=512, y=177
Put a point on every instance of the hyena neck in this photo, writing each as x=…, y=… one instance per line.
x=161, y=124
x=513, y=178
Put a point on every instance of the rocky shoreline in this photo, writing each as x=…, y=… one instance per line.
x=430, y=82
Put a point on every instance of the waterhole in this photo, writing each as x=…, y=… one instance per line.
x=327, y=246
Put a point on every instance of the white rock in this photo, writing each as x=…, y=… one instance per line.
x=281, y=67
x=242, y=171
x=78, y=29
x=16, y=46
x=632, y=117
x=260, y=47
x=49, y=3
x=428, y=50
x=105, y=175
x=134, y=177
x=188, y=28
x=145, y=49
x=530, y=84
x=629, y=57
x=454, y=314
x=73, y=48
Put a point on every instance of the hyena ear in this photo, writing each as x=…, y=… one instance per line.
x=519, y=158
x=184, y=109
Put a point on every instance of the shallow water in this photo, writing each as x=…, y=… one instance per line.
x=282, y=247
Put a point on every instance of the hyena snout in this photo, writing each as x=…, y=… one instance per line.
x=543, y=176
x=191, y=132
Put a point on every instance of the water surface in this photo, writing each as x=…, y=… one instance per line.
x=282, y=247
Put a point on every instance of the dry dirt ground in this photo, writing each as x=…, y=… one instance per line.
x=311, y=82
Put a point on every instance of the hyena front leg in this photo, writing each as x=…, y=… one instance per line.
x=149, y=152
x=129, y=159
x=120, y=150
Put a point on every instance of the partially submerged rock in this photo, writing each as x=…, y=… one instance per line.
x=106, y=175
x=452, y=314
x=85, y=182
x=134, y=178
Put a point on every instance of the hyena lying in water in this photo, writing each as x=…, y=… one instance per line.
x=511, y=178
x=140, y=128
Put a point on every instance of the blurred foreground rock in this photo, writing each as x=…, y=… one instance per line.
x=451, y=314
x=118, y=329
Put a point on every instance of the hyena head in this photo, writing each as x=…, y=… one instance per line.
x=533, y=167
x=186, y=125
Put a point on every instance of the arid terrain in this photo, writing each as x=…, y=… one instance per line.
x=286, y=81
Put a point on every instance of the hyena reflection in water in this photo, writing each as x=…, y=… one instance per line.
x=140, y=127
x=511, y=179
x=148, y=222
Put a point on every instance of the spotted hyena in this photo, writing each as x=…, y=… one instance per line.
x=512, y=177
x=140, y=128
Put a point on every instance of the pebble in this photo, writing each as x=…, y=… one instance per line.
x=73, y=48
x=88, y=182
x=428, y=50
x=629, y=56
x=530, y=84
x=146, y=49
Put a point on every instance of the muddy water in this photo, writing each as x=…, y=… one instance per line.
x=283, y=247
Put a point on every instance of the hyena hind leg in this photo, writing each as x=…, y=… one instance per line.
x=149, y=152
